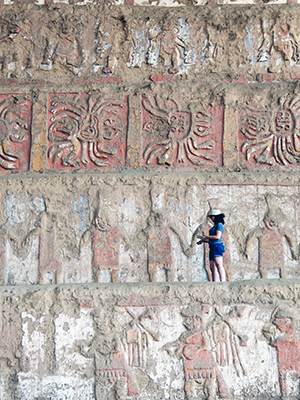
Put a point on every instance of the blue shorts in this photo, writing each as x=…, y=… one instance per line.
x=216, y=250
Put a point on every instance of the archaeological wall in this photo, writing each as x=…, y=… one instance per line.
x=121, y=123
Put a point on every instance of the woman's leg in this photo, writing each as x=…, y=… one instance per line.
x=220, y=268
x=214, y=271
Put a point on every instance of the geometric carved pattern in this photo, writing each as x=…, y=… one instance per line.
x=270, y=136
x=175, y=136
x=15, y=130
x=86, y=131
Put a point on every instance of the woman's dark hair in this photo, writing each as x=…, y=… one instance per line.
x=219, y=218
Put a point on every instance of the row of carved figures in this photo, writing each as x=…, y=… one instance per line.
x=65, y=39
x=217, y=348
x=50, y=245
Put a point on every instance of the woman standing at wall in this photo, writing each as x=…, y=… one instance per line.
x=216, y=246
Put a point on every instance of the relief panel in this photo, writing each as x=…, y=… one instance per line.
x=273, y=44
x=160, y=44
x=86, y=131
x=270, y=135
x=173, y=135
x=140, y=343
x=15, y=127
x=122, y=232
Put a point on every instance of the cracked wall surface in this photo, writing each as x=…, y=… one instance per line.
x=121, y=124
x=145, y=341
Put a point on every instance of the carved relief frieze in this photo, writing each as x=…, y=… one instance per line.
x=273, y=44
x=133, y=344
x=110, y=36
x=113, y=231
x=270, y=135
x=165, y=43
x=178, y=135
x=15, y=126
x=71, y=43
x=86, y=131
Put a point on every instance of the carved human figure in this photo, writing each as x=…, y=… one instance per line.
x=271, y=240
x=114, y=378
x=137, y=35
x=106, y=237
x=201, y=371
x=106, y=244
x=118, y=374
x=171, y=47
x=110, y=39
x=58, y=243
x=285, y=43
x=158, y=247
x=19, y=242
x=48, y=263
x=206, y=46
x=12, y=61
x=286, y=341
x=65, y=48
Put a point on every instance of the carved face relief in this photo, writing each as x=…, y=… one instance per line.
x=111, y=126
x=192, y=323
x=15, y=119
x=176, y=137
x=86, y=130
x=180, y=124
x=283, y=122
x=271, y=137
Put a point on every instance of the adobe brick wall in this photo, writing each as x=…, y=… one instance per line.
x=121, y=123
x=146, y=341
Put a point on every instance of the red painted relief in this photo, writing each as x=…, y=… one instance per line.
x=48, y=262
x=205, y=335
x=175, y=136
x=271, y=239
x=15, y=127
x=270, y=136
x=271, y=251
x=106, y=243
x=159, y=247
x=86, y=131
x=116, y=374
x=286, y=341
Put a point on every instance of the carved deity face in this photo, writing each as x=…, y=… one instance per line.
x=111, y=126
x=271, y=223
x=89, y=129
x=16, y=131
x=180, y=124
x=192, y=323
x=196, y=317
x=284, y=122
